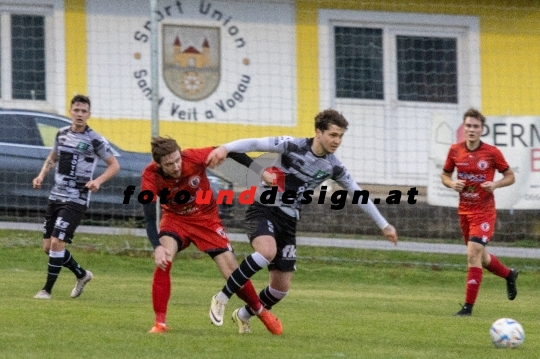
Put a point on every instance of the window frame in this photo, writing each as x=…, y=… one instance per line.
x=47, y=9
x=464, y=28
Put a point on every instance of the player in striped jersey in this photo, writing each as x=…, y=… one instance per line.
x=304, y=164
x=75, y=153
x=476, y=163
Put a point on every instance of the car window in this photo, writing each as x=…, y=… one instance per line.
x=48, y=133
x=19, y=129
x=48, y=127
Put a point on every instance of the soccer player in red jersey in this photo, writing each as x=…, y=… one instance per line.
x=178, y=177
x=476, y=163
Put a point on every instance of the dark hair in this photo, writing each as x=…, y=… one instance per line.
x=330, y=117
x=162, y=146
x=474, y=113
x=80, y=98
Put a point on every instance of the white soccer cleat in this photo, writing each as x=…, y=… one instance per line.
x=217, y=310
x=243, y=326
x=43, y=294
x=79, y=286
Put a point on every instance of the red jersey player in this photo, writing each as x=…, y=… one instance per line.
x=476, y=163
x=176, y=177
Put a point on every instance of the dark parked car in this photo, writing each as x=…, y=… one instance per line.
x=26, y=139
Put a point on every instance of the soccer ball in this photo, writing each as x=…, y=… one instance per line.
x=506, y=333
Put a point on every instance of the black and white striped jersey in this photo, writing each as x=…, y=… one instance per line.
x=77, y=156
x=303, y=170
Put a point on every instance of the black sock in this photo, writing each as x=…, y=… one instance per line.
x=241, y=275
x=70, y=263
x=267, y=299
x=54, y=268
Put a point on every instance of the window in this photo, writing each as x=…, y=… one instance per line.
x=48, y=128
x=27, y=56
x=427, y=69
x=426, y=66
x=359, y=59
x=19, y=129
x=393, y=75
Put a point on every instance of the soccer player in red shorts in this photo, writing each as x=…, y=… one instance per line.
x=177, y=178
x=476, y=163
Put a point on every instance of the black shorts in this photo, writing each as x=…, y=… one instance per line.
x=61, y=220
x=271, y=221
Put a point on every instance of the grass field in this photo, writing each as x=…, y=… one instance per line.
x=344, y=303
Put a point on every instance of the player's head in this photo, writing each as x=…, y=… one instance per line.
x=473, y=124
x=79, y=112
x=328, y=117
x=474, y=113
x=166, y=153
x=81, y=99
x=330, y=126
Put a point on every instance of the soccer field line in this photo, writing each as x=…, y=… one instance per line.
x=431, y=265
x=420, y=247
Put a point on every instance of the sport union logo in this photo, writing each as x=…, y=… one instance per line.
x=191, y=60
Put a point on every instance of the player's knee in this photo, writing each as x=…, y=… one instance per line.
x=46, y=249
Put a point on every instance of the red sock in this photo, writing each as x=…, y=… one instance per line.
x=474, y=278
x=248, y=294
x=497, y=268
x=161, y=292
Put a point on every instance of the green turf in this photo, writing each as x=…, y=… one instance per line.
x=343, y=303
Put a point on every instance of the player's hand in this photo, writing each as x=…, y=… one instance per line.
x=459, y=185
x=489, y=186
x=36, y=183
x=93, y=185
x=161, y=254
x=268, y=178
x=390, y=233
x=216, y=157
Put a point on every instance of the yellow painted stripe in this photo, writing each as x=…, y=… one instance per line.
x=75, y=27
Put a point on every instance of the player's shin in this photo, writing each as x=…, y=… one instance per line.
x=248, y=294
x=161, y=292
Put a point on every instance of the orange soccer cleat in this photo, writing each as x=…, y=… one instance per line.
x=159, y=328
x=271, y=322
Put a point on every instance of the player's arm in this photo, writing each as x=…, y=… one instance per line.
x=265, y=144
x=446, y=178
x=148, y=183
x=112, y=169
x=241, y=158
x=161, y=254
x=507, y=180
x=150, y=217
x=49, y=164
x=369, y=208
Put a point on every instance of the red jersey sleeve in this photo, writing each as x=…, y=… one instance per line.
x=148, y=182
x=450, y=163
x=499, y=161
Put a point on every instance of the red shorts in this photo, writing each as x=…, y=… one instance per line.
x=479, y=225
x=206, y=233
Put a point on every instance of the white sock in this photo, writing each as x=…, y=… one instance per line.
x=244, y=314
x=276, y=293
x=222, y=297
x=259, y=259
